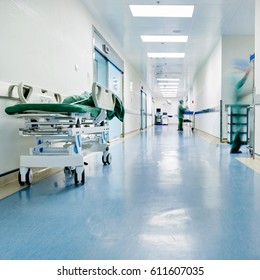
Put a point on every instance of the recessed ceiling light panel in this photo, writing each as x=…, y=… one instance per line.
x=170, y=91
x=162, y=10
x=167, y=87
x=166, y=55
x=168, y=79
x=168, y=84
x=164, y=38
x=169, y=95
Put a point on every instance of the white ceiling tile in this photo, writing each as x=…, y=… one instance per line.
x=211, y=19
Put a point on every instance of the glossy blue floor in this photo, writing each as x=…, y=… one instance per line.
x=166, y=195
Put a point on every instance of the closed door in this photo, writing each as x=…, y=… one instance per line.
x=143, y=110
x=111, y=77
x=115, y=85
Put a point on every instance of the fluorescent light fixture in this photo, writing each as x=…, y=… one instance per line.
x=168, y=84
x=164, y=38
x=166, y=55
x=167, y=79
x=169, y=91
x=171, y=87
x=167, y=95
x=162, y=10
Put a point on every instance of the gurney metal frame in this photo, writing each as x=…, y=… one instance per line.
x=63, y=139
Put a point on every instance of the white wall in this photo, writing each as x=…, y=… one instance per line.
x=132, y=100
x=209, y=120
x=206, y=92
x=236, y=47
x=207, y=83
x=41, y=43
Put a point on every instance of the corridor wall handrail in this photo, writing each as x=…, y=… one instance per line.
x=208, y=110
x=203, y=111
x=132, y=112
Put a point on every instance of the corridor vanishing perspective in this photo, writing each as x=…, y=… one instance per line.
x=166, y=195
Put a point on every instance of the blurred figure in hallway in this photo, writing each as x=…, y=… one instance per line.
x=181, y=110
x=240, y=73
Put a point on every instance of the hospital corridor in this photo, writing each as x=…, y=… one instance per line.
x=166, y=196
x=130, y=130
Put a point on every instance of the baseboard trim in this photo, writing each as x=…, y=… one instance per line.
x=209, y=137
x=9, y=184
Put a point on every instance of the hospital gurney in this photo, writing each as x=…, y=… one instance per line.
x=65, y=132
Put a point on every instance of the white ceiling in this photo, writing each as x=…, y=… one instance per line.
x=211, y=19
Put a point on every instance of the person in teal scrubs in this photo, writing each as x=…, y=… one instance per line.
x=181, y=110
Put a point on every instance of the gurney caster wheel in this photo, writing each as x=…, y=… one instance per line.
x=29, y=177
x=107, y=159
x=78, y=180
x=20, y=179
x=69, y=171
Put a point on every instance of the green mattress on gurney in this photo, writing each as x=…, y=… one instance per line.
x=87, y=99
x=52, y=108
x=84, y=104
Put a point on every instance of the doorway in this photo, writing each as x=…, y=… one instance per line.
x=108, y=75
x=143, y=109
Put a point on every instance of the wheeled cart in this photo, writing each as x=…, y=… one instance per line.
x=64, y=132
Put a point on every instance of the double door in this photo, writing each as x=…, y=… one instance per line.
x=108, y=75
